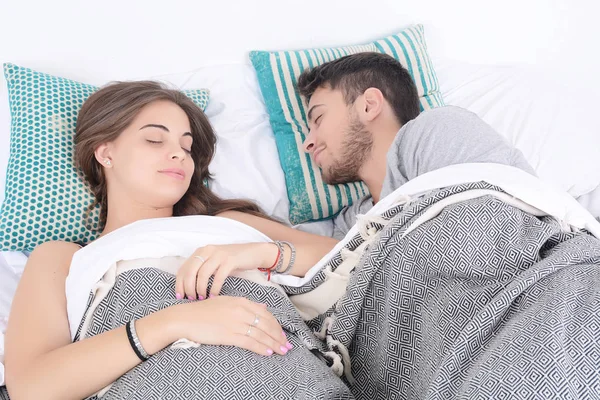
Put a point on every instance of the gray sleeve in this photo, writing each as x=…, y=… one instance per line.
x=347, y=217
x=452, y=135
x=435, y=139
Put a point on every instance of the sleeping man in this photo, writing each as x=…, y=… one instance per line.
x=474, y=279
x=365, y=125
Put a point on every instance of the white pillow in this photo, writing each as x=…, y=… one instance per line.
x=591, y=201
x=554, y=126
x=246, y=164
x=550, y=124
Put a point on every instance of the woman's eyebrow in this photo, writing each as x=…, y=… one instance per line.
x=164, y=128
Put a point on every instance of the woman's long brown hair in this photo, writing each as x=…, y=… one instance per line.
x=110, y=110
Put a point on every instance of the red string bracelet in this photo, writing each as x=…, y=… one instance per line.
x=268, y=270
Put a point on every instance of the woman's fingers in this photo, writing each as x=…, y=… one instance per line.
x=261, y=333
x=249, y=343
x=259, y=317
x=206, y=270
x=220, y=275
x=186, y=269
x=265, y=339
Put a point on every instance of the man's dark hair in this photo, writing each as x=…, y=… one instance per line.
x=356, y=73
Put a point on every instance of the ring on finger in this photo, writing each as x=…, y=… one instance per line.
x=248, y=331
x=202, y=259
x=256, y=320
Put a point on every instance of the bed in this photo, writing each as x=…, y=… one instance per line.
x=535, y=83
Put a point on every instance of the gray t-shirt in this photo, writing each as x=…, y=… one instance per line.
x=436, y=138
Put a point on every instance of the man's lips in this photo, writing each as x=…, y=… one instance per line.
x=316, y=154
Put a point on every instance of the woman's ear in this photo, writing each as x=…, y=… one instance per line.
x=372, y=104
x=102, y=155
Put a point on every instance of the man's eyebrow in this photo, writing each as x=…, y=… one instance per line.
x=312, y=109
x=164, y=128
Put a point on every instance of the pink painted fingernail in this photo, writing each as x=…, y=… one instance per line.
x=178, y=296
x=192, y=297
x=270, y=352
x=200, y=297
x=284, y=350
x=289, y=345
x=211, y=296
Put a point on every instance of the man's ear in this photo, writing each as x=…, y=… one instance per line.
x=372, y=104
x=103, y=156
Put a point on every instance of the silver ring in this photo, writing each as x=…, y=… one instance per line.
x=202, y=259
x=256, y=320
x=248, y=331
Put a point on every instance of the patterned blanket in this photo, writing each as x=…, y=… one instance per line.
x=477, y=299
x=191, y=371
x=461, y=293
x=136, y=288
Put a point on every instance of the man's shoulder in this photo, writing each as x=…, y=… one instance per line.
x=443, y=127
x=447, y=115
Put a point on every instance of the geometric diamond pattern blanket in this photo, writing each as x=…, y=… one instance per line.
x=481, y=301
x=214, y=372
x=204, y=371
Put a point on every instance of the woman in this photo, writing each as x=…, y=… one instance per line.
x=145, y=151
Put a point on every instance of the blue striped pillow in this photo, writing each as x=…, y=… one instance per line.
x=310, y=198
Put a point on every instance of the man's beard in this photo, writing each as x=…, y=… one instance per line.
x=356, y=148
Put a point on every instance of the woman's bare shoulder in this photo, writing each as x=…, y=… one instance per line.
x=57, y=253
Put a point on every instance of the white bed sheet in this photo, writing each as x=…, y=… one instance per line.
x=11, y=268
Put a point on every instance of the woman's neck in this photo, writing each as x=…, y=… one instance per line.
x=121, y=215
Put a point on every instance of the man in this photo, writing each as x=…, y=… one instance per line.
x=364, y=121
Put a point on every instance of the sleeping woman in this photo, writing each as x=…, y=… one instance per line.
x=145, y=310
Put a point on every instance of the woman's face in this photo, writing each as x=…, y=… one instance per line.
x=150, y=161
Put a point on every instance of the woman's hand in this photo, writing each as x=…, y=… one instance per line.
x=220, y=261
x=232, y=321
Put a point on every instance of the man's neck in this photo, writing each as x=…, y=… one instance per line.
x=375, y=168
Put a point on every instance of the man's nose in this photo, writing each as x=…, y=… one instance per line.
x=309, y=142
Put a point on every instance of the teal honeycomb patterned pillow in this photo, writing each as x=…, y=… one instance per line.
x=310, y=198
x=45, y=199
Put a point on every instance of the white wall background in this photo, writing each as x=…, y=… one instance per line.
x=113, y=39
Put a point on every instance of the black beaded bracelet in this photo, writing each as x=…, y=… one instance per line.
x=139, y=351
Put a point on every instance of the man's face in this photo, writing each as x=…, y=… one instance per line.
x=338, y=141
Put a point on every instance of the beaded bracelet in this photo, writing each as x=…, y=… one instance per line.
x=134, y=341
x=278, y=261
x=292, y=259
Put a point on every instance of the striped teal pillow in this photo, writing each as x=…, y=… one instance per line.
x=44, y=198
x=278, y=72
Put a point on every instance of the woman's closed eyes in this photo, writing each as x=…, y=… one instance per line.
x=157, y=142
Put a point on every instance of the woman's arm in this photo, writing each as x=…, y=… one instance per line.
x=310, y=248
x=41, y=361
